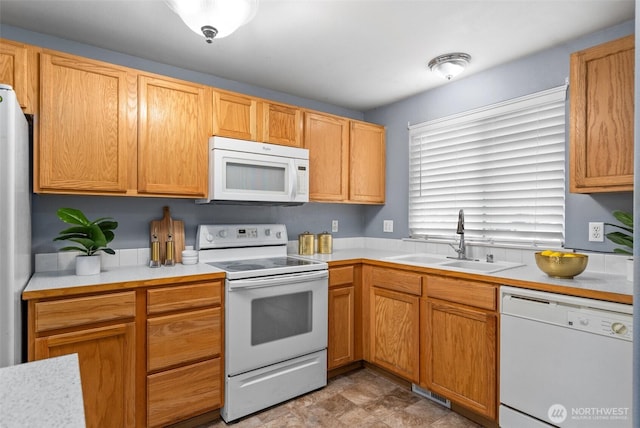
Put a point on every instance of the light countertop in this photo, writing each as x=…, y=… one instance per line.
x=601, y=285
x=594, y=284
x=44, y=393
x=118, y=277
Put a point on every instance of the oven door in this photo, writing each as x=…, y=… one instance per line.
x=276, y=318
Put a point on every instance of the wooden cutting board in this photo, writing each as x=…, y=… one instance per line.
x=163, y=227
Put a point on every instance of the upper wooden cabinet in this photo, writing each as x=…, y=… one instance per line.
x=19, y=68
x=174, y=124
x=327, y=138
x=106, y=129
x=367, y=163
x=87, y=126
x=236, y=116
x=346, y=159
x=254, y=119
x=282, y=124
x=601, y=117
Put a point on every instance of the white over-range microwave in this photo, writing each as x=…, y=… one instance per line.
x=256, y=173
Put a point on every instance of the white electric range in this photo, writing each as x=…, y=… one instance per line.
x=276, y=310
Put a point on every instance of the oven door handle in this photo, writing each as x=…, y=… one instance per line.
x=271, y=281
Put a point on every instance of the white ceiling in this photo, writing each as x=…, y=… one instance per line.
x=352, y=53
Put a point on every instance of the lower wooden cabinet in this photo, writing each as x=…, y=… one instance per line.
x=106, y=353
x=180, y=338
x=344, y=317
x=149, y=356
x=175, y=395
x=394, y=322
x=106, y=356
x=184, y=352
x=459, y=343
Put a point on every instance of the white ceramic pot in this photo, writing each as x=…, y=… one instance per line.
x=629, y=269
x=88, y=265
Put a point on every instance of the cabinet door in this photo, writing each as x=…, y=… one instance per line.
x=460, y=355
x=235, y=116
x=87, y=126
x=107, y=360
x=367, y=163
x=282, y=124
x=327, y=138
x=18, y=68
x=183, y=337
x=601, y=117
x=174, y=126
x=175, y=395
x=394, y=342
x=341, y=327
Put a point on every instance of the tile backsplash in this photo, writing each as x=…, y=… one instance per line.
x=598, y=262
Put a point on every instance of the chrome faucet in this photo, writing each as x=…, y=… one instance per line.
x=461, y=250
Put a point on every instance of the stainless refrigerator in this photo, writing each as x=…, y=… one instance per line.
x=15, y=225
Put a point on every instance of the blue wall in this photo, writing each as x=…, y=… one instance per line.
x=540, y=71
x=543, y=70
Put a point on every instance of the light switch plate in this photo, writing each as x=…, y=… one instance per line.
x=387, y=226
x=334, y=226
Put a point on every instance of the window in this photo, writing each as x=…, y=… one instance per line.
x=503, y=164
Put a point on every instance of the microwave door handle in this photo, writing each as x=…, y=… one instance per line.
x=292, y=180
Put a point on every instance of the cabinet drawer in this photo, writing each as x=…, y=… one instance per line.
x=84, y=310
x=397, y=280
x=183, y=297
x=181, y=338
x=177, y=394
x=340, y=276
x=471, y=293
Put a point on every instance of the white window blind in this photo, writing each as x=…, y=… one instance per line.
x=503, y=164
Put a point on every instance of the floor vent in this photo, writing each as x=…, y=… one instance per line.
x=431, y=396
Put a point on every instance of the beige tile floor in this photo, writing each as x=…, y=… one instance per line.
x=362, y=398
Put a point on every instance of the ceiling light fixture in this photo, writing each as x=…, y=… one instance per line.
x=214, y=18
x=450, y=65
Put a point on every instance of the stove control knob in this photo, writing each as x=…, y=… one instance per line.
x=619, y=328
x=584, y=321
x=209, y=237
x=278, y=235
x=267, y=232
x=223, y=233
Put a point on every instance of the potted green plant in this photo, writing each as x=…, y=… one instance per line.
x=623, y=237
x=90, y=237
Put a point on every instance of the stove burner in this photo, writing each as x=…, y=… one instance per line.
x=285, y=261
x=244, y=266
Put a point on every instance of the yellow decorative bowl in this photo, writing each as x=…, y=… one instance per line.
x=562, y=266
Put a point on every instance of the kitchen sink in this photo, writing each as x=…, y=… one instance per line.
x=436, y=261
x=423, y=259
x=478, y=266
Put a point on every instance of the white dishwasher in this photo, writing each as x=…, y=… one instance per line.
x=564, y=361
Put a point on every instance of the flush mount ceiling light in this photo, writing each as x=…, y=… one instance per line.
x=450, y=65
x=214, y=18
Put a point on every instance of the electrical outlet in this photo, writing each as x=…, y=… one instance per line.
x=596, y=231
x=387, y=226
x=334, y=226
